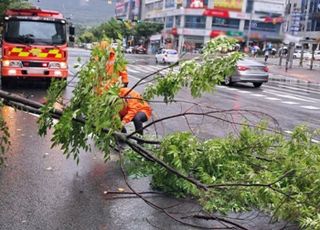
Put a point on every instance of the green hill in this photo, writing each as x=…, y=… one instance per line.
x=84, y=12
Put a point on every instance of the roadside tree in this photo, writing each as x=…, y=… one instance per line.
x=256, y=167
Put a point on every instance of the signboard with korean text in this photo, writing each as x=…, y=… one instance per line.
x=235, y=5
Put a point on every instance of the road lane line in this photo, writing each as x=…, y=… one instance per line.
x=310, y=107
x=273, y=99
x=257, y=95
x=243, y=91
x=290, y=102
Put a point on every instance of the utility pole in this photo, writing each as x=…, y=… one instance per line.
x=306, y=19
x=249, y=29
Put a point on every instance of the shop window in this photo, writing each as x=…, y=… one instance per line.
x=169, y=3
x=261, y=26
x=195, y=22
x=169, y=22
x=225, y=22
x=249, y=8
x=178, y=21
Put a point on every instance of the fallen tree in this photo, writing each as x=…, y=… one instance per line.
x=256, y=167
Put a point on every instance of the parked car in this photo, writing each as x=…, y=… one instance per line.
x=139, y=50
x=129, y=50
x=249, y=71
x=297, y=54
x=315, y=57
x=167, y=56
x=88, y=46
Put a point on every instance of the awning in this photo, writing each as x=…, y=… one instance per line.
x=155, y=37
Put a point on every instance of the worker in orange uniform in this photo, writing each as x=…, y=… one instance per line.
x=110, y=69
x=113, y=77
x=135, y=109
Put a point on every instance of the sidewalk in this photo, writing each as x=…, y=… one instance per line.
x=296, y=73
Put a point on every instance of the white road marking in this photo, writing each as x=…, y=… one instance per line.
x=242, y=91
x=231, y=89
x=136, y=78
x=302, y=90
x=257, y=95
x=290, y=102
x=272, y=98
x=288, y=96
x=310, y=107
x=134, y=71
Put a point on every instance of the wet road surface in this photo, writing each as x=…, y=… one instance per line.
x=40, y=189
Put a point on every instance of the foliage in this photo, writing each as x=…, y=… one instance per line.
x=92, y=103
x=4, y=137
x=199, y=76
x=7, y=4
x=87, y=37
x=256, y=170
x=116, y=29
x=144, y=29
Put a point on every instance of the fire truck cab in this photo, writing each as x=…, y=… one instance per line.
x=34, y=44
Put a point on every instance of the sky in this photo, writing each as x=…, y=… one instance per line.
x=85, y=12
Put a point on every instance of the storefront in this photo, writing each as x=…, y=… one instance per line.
x=155, y=43
x=192, y=43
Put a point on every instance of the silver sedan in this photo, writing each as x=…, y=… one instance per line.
x=249, y=71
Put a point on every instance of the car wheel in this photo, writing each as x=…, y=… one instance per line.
x=257, y=84
x=228, y=81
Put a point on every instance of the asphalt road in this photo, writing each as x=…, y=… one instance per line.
x=40, y=189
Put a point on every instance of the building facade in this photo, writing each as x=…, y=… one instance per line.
x=128, y=9
x=188, y=24
x=307, y=13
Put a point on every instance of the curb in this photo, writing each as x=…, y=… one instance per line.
x=292, y=80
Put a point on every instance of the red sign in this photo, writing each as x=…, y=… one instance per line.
x=216, y=13
x=174, y=31
x=216, y=33
x=274, y=20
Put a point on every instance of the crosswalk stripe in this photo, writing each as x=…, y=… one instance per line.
x=299, y=93
x=134, y=71
x=289, y=96
x=300, y=90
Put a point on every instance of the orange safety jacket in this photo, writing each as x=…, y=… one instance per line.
x=133, y=103
x=110, y=69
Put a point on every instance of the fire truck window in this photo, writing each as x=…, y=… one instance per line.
x=35, y=32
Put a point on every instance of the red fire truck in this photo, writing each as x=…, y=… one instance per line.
x=34, y=44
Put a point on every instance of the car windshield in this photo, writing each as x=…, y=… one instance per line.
x=35, y=32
